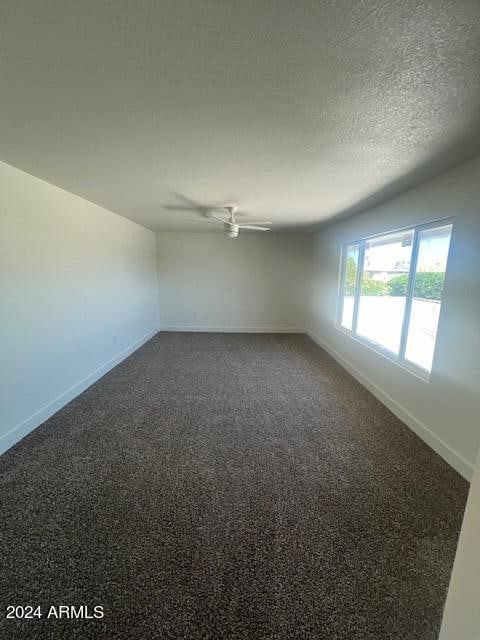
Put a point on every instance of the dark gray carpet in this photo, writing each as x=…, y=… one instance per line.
x=228, y=486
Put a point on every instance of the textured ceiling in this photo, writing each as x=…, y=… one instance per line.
x=296, y=110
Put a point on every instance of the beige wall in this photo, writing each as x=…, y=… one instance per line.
x=445, y=410
x=77, y=294
x=461, y=618
x=257, y=281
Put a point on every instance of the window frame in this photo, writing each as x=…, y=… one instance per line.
x=399, y=359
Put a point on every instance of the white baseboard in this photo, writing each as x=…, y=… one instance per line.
x=242, y=329
x=454, y=459
x=19, y=431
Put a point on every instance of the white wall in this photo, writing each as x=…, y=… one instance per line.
x=257, y=281
x=445, y=410
x=77, y=294
x=461, y=618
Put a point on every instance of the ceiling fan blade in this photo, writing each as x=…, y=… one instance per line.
x=201, y=220
x=220, y=219
x=252, y=226
x=257, y=222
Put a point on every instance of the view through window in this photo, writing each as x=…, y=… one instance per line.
x=392, y=289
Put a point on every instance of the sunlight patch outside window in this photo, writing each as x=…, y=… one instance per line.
x=391, y=291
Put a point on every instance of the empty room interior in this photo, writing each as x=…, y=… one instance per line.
x=240, y=319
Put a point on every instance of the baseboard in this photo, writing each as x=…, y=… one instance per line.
x=457, y=461
x=454, y=459
x=241, y=329
x=22, y=429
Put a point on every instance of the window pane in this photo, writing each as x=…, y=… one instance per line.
x=427, y=295
x=350, y=278
x=384, y=288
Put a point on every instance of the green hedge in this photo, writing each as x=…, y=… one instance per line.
x=398, y=285
x=372, y=287
x=428, y=285
x=350, y=276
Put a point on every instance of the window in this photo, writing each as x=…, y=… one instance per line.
x=391, y=291
x=350, y=279
x=426, y=298
x=380, y=311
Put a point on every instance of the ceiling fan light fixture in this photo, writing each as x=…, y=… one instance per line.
x=232, y=230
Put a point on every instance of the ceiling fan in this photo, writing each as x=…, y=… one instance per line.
x=230, y=224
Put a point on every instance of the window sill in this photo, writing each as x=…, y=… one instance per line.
x=419, y=373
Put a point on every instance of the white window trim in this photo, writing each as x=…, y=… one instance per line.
x=400, y=360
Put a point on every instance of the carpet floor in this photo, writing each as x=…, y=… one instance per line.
x=235, y=486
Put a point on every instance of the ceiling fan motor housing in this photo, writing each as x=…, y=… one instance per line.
x=231, y=230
